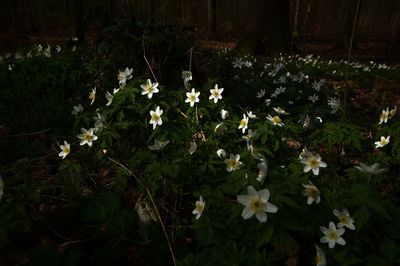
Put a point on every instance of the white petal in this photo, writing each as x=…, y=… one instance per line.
x=324, y=239
x=262, y=217
x=264, y=194
x=247, y=213
x=251, y=191
x=341, y=241
x=315, y=171
x=323, y=229
x=244, y=199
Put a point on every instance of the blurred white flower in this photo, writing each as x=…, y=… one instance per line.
x=313, y=98
x=383, y=118
x=344, y=219
x=262, y=171
x=233, y=162
x=216, y=93
x=256, y=203
x=199, y=207
x=109, y=98
x=77, y=109
x=383, y=142
x=371, y=170
x=334, y=104
x=156, y=117
x=276, y=120
x=149, y=88
x=192, y=97
x=224, y=114
x=65, y=150
x=221, y=153
x=312, y=162
x=312, y=193
x=320, y=258
x=192, y=147
x=332, y=235
x=158, y=145
x=92, y=95
x=87, y=137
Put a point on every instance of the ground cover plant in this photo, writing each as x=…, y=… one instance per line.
x=284, y=161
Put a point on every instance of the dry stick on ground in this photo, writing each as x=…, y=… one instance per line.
x=154, y=206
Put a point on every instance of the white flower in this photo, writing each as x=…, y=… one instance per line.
x=334, y=104
x=224, y=114
x=276, y=120
x=216, y=93
x=192, y=97
x=249, y=136
x=382, y=142
x=199, y=207
x=238, y=63
x=116, y=90
x=267, y=102
x=125, y=75
x=251, y=115
x=312, y=193
x=261, y=93
x=383, y=118
x=243, y=123
x=87, y=137
x=144, y=211
x=158, y=145
x=65, y=150
x=344, y=219
x=221, y=153
x=312, y=162
x=280, y=111
x=372, y=170
x=233, y=163
x=149, y=88
x=393, y=112
x=316, y=85
x=256, y=202
x=262, y=171
x=332, y=235
x=58, y=48
x=77, y=109
x=98, y=124
x=313, y=98
x=186, y=76
x=320, y=258
x=109, y=98
x=192, y=147
x=47, y=51
x=156, y=117
x=92, y=95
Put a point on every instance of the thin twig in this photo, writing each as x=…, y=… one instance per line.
x=27, y=134
x=190, y=59
x=151, y=70
x=154, y=206
x=182, y=113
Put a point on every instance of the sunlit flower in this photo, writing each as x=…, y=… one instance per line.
x=65, y=150
x=92, y=95
x=224, y=114
x=256, y=202
x=199, y=207
x=332, y=235
x=312, y=193
x=371, y=170
x=77, y=109
x=312, y=162
x=280, y=111
x=125, y=75
x=344, y=219
x=262, y=171
x=383, y=118
x=233, y=162
x=158, y=145
x=276, y=120
x=192, y=97
x=149, y=88
x=243, y=123
x=221, y=153
x=216, y=93
x=109, y=98
x=87, y=137
x=320, y=258
x=381, y=143
x=156, y=117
